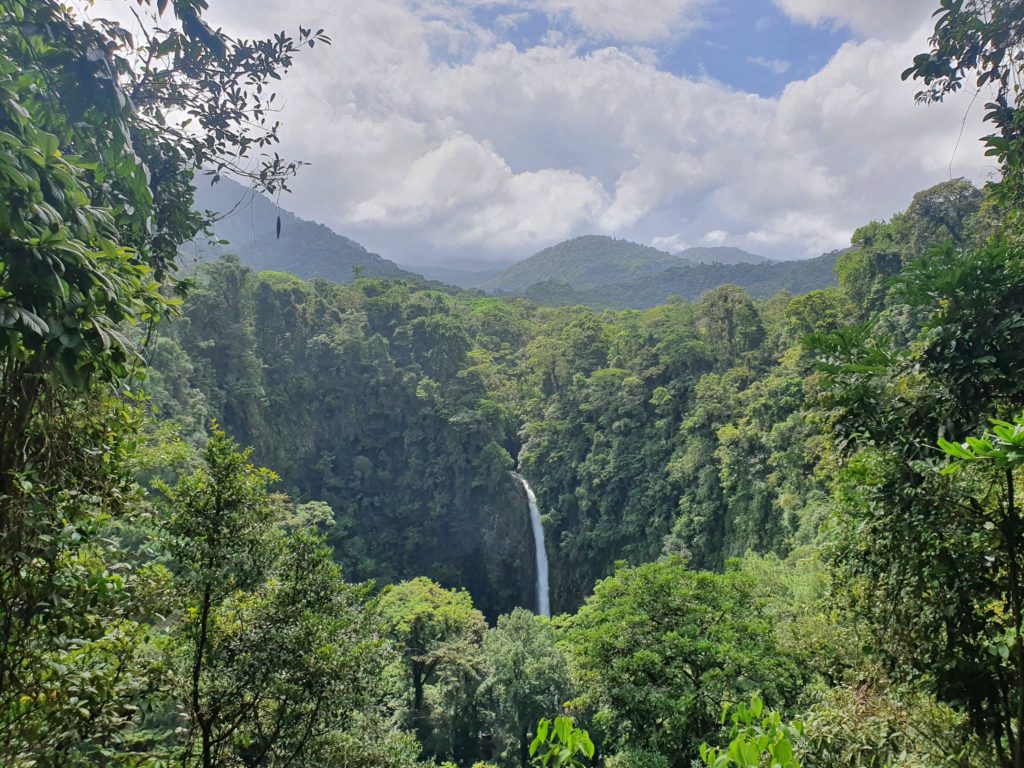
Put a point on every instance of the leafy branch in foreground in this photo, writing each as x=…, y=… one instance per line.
x=757, y=738
x=997, y=456
x=560, y=743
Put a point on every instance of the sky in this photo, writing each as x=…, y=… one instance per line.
x=476, y=132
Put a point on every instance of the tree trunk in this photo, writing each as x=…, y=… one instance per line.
x=1013, y=528
x=206, y=727
x=417, y=687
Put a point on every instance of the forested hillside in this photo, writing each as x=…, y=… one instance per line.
x=584, y=262
x=720, y=255
x=692, y=282
x=376, y=398
x=405, y=409
x=247, y=223
x=252, y=521
x=602, y=272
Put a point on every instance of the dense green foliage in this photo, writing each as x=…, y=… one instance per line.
x=958, y=540
x=693, y=431
x=756, y=737
x=373, y=399
x=690, y=282
x=268, y=656
x=681, y=429
x=560, y=743
x=528, y=678
x=405, y=409
x=136, y=628
x=808, y=503
x=658, y=648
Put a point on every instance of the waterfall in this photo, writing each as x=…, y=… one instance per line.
x=543, y=601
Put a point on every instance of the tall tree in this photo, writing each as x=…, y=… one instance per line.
x=96, y=180
x=527, y=680
x=658, y=648
x=428, y=621
x=935, y=563
x=269, y=651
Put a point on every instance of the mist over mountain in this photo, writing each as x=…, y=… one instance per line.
x=457, y=275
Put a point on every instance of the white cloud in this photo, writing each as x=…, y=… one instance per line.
x=715, y=237
x=534, y=209
x=876, y=18
x=457, y=173
x=671, y=243
x=777, y=66
x=817, y=231
x=430, y=137
x=471, y=196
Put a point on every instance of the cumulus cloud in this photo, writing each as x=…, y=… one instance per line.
x=467, y=190
x=432, y=138
x=875, y=18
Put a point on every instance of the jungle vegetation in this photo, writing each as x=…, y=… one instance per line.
x=784, y=530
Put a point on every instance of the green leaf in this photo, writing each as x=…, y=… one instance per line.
x=542, y=730
x=954, y=449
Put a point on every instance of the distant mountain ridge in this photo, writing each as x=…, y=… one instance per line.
x=722, y=255
x=584, y=262
x=690, y=282
x=305, y=249
x=605, y=272
x=594, y=270
x=463, y=277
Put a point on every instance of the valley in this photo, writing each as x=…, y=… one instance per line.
x=269, y=499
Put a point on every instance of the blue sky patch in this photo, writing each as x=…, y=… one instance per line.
x=749, y=45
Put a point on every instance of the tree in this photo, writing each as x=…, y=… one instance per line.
x=947, y=213
x=527, y=678
x=270, y=654
x=994, y=505
x=818, y=312
x=427, y=620
x=981, y=38
x=97, y=190
x=756, y=737
x=69, y=618
x=729, y=323
x=931, y=561
x=658, y=648
x=942, y=214
x=220, y=534
x=458, y=720
x=875, y=723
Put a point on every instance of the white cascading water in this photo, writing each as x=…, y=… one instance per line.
x=543, y=599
